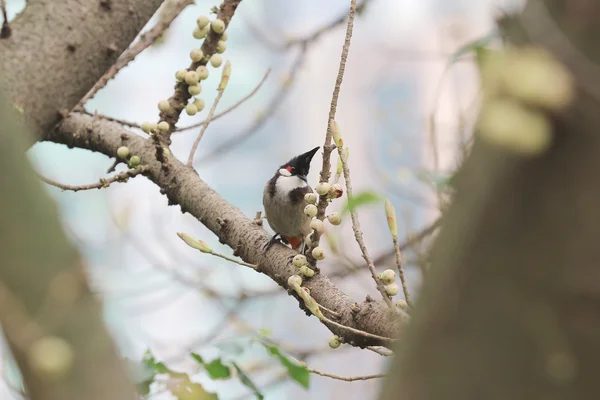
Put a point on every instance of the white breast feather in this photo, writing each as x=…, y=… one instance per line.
x=285, y=184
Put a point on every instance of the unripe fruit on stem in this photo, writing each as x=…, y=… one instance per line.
x=202, y=21
x=401, y=304
x=311, y=198
x=163, y=126
x=318, y=253
x=216, y=60
x=202, y=72
x=334, y=218
x=196, y=55
x=392, y=289
x=304, y=270
x=224, y=36
x=191, y=77
x=322, y=188
x=195, y=90
x=200, y=33
x=221, y=47
x=164, y=106
x=180, y=75
x=299, y=260
x=134, y=161
x=123, y=152
x=310, y=210
x=334, y=342
x=388, y=276
x=146, y=127
x=191, y=109
x=294, y=279
x=308, y=239
x=218, y=26
x=199, y=103
x=317, y=225
x=335, y=191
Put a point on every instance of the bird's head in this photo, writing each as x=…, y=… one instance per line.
x=298, y=166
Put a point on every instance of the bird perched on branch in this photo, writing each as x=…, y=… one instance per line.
x=283, y=200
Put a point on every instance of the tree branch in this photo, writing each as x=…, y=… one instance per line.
x=59, y=49
x=185, y=188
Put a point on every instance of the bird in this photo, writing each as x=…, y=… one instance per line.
x=283, y=201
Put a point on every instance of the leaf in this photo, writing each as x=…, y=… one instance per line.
x=150, y=362
x=297, y=372
x=216, y=369
x=474, y=46
x=264, y=332
x=245, y=379
x=361, y=199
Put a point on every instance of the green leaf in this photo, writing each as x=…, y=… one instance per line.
x=297, y=372
x=264, y=332
x=361, y=199
x=150, y=362
x=216, y=369
x=474, y=46
x=245, y=379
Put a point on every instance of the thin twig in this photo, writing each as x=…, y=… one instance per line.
x=233, y=107
x=334, y=313
x=113, y=119
x=345, y=378
x=275, y=103
x=327, y=148
x=233, y=260
x=102, y=183
x=358, y=235
x=146, y=40
x=400, y=270
x=380, y=351
x=384, y=339
x=211, y=113
x=5, y=31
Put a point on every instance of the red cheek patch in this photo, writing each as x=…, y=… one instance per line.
x=289, y=169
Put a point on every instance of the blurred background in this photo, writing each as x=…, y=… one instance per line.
x=406, y=108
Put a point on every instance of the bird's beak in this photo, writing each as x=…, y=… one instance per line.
x=307, y=157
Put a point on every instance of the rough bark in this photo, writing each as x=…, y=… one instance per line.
x=185, y=188
x=59, y=49
x=43, y=290
x=511, y=308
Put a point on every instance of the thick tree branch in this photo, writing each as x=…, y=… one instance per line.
x=184, y=187
x=44, y=294
x=59, y=49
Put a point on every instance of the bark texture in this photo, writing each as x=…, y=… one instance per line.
x=185, y=188
x=511, y=308
x=59, y=49
x=43, y=290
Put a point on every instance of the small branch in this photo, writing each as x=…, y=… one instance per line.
x=228, y=110
x=333, y=313
x=327, y=148
x=101, y=184
x=345, y=378
x=276, y=101
x=358, y=235
x=387, y=340
x=5, y=31
x=117, y=120
x=233, y=260
x=380, y=351
x=401, y=271
x=220, y=90
x=146, y=40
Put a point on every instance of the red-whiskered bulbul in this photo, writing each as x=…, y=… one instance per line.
x=283, y=199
